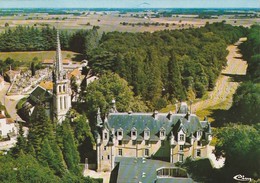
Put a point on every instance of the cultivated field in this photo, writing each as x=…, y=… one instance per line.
x=113, y=21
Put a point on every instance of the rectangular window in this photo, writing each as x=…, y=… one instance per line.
x=181, y=147
x=105, y=148
x=147, y=142
x=119, y=133
x=181, y=137
x=146, y=152
x=134, y=133
x=120, y=142
x=147, y=133
x=181, y=157
x=105, y=136
x=120, y=152
x=133, y=142
x=199, y=143
x=198, y=152
x=108, y=157
x=162, y=133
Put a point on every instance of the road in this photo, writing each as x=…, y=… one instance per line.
x=225, y=85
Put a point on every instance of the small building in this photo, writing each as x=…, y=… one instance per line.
x=170, y=137
x=7, y=126
x=11, y=75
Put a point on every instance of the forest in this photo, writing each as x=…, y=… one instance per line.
x=168, y=65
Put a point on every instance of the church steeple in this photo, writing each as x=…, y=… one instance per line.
x=58, y=62
x=61, y=87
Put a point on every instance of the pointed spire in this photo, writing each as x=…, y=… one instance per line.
x=58, y=64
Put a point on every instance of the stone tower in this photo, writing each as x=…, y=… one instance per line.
x=61, y=87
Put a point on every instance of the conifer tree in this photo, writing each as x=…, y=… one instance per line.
x=40, y=127
x=21, y=142
x=175, y=88
x=69, y=149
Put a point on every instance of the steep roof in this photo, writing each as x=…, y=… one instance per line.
x=143, y=170
x=39, y=93
x=141, y=121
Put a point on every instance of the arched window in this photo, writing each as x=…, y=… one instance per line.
x=65, y=105
x=61, y=103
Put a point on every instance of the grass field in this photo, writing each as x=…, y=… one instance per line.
x=111, y=22
x=41, y=55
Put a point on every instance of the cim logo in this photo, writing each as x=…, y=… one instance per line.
x=241, y=178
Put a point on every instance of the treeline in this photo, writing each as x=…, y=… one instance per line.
x=166, y=65
x=247, y=97
x=50, y=153
x=44, y=39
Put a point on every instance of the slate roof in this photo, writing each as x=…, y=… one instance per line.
x=141, y=121
x=132, y=170
x=39, y=93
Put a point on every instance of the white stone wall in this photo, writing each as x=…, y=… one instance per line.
x=6, y=128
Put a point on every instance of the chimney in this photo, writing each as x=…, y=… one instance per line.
x=113, y=109
x=155, y=115
x=176, y=108
x=3, y=112
x=169, y=115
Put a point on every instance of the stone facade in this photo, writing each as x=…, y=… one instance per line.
x=169, y=137
x=7, y=126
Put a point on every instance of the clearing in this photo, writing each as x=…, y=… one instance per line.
x=28, y=56
x=222, y=95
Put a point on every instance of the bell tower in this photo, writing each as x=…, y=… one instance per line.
x=61, y=87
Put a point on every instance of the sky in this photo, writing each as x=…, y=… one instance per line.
x=129, y=3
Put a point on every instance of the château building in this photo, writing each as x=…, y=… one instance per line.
x=170, y=137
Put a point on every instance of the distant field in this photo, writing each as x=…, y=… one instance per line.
x=41, y=55
x=114, y=22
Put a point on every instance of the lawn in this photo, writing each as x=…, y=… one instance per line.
x=41, y=55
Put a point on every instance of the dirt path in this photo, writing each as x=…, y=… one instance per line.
x=225, y=86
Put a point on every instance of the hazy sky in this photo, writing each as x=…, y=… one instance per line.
x=130, y=3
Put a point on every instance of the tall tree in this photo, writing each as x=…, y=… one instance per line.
x=175, y=88
x=240, y=145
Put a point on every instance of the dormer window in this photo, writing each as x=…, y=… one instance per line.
x=146, y=133
x=162, y=133
x=120, y=134
x=181, y=137
x=134, y=134
x=199, y=134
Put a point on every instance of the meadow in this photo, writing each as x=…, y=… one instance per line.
x=37, y=55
